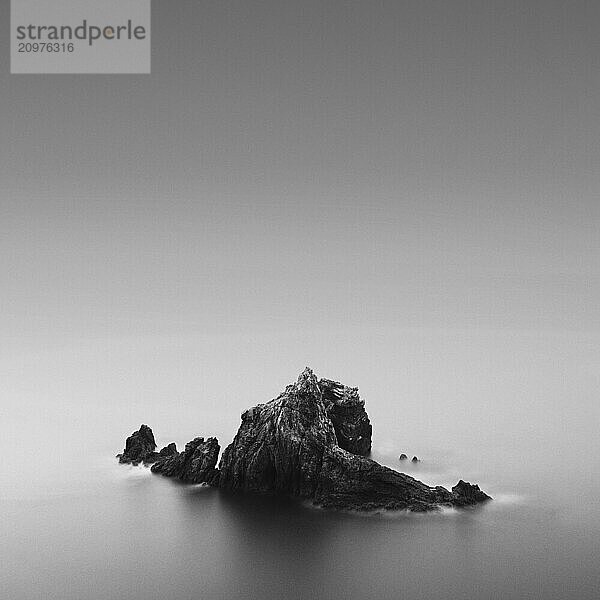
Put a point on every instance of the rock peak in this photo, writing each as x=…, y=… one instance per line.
x=139, y=446
x=307, y=383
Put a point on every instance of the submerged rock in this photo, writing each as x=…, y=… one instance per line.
x=139, y=446
x=290, y=445
x=196, y=464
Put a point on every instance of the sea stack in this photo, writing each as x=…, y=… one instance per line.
x=310, y=442
x=290, y=445
x=139, y=446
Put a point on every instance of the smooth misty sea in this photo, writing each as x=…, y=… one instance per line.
x=516, y=412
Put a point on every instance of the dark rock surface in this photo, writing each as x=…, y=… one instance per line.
x=415, y=459
x=309, y=442
x=290, y=445
x=351, y=482
x=279, y=446
x=196, y=464
x=166, y=451
x=139, y=446
x=348, y=415
x=169, y=450
x=466, y=493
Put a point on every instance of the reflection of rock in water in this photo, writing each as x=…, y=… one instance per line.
x=310, y=443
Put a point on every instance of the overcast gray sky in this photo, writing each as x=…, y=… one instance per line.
x=323, y=164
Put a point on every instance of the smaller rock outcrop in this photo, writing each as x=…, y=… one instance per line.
x=196, y=464
x=403, y=457
x=415, y=459
x=466, y=494
x=169, y=450
x=139, y=447
x=166, y=451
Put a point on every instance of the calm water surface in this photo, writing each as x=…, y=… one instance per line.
x=515, y=412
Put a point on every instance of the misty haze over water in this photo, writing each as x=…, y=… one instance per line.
x=513, y=411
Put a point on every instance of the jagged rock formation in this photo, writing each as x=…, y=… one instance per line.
x=353, y=482
x=196, y=464
x=290, y=445
x=139, y=446
x=169, y=450
x=279, y=446
x=348, y=415
x=309, y=442
x=467, y=493
x=403, y=457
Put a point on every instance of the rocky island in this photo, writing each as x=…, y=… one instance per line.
x=311, y=442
